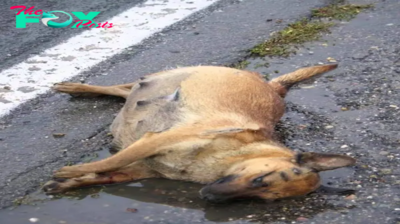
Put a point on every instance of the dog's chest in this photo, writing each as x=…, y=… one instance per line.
x=202, y=163
x=174, y=165
x=185, y=164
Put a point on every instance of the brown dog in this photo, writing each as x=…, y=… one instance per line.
x=206, y=124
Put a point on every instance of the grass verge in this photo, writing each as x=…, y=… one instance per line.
x=281, y=43
x=340, y=12
x=285, y=42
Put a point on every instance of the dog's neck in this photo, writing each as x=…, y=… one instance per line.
x=266, y=148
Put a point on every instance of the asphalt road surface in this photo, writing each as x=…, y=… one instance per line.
x=353, y=110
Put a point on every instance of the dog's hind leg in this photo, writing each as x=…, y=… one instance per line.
x=92, y=90
x=134, y=171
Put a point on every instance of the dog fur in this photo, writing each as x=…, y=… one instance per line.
x=206, y=124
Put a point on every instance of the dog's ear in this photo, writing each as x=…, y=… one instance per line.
x=322, y=162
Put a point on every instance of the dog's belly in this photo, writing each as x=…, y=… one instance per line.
x=203, y=92
x=155, y=115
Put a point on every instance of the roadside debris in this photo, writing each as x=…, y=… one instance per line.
x=132, y=210
x=33, y=220
x=58, y=135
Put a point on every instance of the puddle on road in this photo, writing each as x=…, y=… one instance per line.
x=164, y=201
x=160, y=201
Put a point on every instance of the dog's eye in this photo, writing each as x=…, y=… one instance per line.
x=258, y=182
x=296, y=171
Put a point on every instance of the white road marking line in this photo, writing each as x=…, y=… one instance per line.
x=37, y=74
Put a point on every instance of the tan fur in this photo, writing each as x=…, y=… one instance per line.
x=197, y=124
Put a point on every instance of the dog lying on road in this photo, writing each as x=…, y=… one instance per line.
x=206, y=124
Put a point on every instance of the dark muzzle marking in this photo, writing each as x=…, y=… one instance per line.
x=225, y=179
x=142, y=103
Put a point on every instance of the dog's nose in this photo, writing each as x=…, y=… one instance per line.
x=208, y=197
x=205, y=195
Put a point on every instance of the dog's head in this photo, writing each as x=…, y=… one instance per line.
x=274, y=178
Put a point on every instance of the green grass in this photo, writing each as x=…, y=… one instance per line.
x=285, y=42
x=340, y=12
x=281, y=43
x=241, y=65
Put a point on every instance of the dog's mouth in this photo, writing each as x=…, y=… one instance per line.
x=207, y=194
x=221, y=190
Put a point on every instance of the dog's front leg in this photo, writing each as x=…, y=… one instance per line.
x=150, y=144
x=134, y=171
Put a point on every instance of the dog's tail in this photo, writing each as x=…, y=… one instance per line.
x=283, y=83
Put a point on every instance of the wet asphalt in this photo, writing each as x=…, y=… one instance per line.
x=351, y=110
x=18, y=44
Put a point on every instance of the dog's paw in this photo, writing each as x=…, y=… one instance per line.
x=68, y=87
x=73, y=89
x=54, y=186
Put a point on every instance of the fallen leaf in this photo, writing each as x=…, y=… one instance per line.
x=133, y=210
x=351, y=197
x=301, y=219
